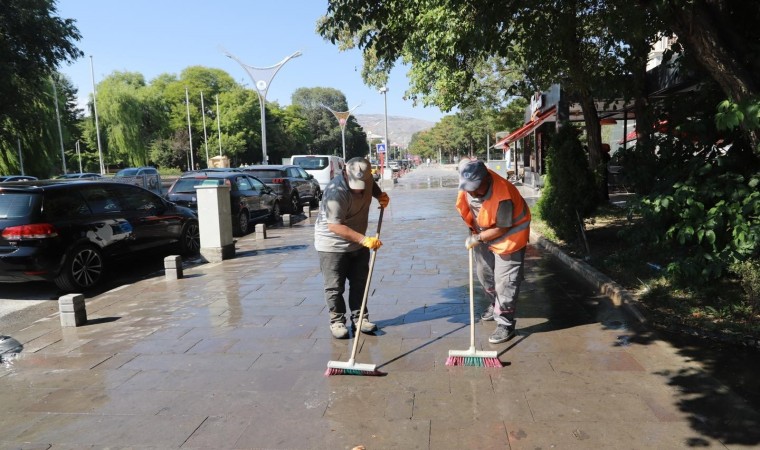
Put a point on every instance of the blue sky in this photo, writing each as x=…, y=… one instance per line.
x=166, y=36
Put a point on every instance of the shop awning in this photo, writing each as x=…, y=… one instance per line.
x=629, y=137
x=527, y=128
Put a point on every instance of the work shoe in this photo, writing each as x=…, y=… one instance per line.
x=339, y=330
x=367, y=326
x=487, y=315
x=502, y=333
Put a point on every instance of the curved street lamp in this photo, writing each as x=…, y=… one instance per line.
x=387, y=174
x=342, y=117
x=262, y=77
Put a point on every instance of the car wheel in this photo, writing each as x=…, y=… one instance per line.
x=190, y=240
x=295, y=203
x=82, y=269
x=243, y=223
x=276, y=214
x=314, y=203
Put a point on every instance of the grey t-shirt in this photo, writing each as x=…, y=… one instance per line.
x=340, y=205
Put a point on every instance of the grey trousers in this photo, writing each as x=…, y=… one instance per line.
x=337, y=268
x=500, y=276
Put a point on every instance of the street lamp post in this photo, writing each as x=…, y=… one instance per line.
x=342, y=117
x=60, y=131
x=387, y=172
x=205, y=137
x=95, y=112
x=189, y=131
x=262, y=78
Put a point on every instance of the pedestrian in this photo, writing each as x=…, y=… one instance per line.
x=343, y=247
x=499, y=222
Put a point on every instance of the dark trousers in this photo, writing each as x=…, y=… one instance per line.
x=337, y=268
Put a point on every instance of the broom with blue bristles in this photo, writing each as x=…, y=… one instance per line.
x=472, y=357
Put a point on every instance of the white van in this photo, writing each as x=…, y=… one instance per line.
x=322, y=167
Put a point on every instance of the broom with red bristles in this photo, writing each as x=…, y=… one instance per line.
x=351, y=367
x=472, y=357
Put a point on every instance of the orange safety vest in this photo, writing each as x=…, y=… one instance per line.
x=517, y=236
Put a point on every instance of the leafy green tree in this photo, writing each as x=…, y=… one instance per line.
x=33, y=43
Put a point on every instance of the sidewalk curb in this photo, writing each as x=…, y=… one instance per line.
x=604, y=284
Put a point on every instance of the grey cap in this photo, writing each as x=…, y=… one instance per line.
x=359, y=173
x=471, y=173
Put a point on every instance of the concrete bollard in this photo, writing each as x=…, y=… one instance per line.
x=173, y=267
x=72, y=309
x=261, y=231
x=286, y=220
x=307, y=211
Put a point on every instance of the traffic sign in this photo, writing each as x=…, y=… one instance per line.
x=380, y=148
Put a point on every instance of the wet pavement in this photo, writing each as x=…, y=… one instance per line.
x=234, y=355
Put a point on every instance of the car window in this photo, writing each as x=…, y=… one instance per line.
x=265, y=173
x=293, y=172
x=126, y=173
x=14, y=205
x=186, y=185
x=136, y=199
x=302, y=172
x=256, y=184
x=100, y=200
x=316, y=163
x=64, y=204
x=243, y=183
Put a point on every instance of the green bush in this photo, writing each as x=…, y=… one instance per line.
x=749, y=273
x=569, y=189
x=705, y=210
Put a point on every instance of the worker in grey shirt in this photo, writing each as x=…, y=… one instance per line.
x=343, y=247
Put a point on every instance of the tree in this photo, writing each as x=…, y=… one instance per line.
x=33, y=43
x=324, y=127
x=451, y=44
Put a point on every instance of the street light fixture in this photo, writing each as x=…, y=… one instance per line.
x=342, y=117
x=262, y=78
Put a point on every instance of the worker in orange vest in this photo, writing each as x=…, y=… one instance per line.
x=499, y=222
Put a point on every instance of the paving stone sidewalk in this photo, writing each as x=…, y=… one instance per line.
x=233, y=357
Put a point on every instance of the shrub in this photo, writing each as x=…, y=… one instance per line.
x=749, y=273
x=569, y=188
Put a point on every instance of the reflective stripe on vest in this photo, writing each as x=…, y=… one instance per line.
x=518, y=234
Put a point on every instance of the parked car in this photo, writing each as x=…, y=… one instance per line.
x=77, y=176
x=136, y=171
x=69, y=232
x=323, y=167
x=250, y=199
x=375, y=172
x=293, y=185
x=145, y=177
x=9, y=178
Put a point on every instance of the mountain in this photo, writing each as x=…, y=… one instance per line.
x=400, y=128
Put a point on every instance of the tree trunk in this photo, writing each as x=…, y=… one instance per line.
x=594, y=136
x=697, y=28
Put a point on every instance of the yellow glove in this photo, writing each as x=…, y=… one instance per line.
x=372, y=242
x=384, y=200
x=472, y=241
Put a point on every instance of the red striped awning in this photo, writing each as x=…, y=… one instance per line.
x=527, y=128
